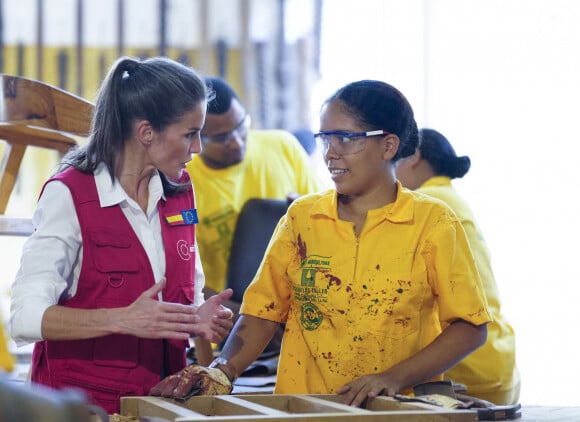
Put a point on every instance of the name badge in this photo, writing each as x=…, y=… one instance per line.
x=183, y=218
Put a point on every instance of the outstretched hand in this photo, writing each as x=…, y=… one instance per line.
x=215, y=320
x=147, y=317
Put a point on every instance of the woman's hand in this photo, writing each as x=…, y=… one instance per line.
x=372, y=385
x=215, y=320
x=455, y=342
x=146, y=317
x=149, y=318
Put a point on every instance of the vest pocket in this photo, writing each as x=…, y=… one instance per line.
x=113, y=252
x=188, y=291
x=105, y=393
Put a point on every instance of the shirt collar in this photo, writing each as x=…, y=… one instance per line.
x=437, y=181
x=400, y=211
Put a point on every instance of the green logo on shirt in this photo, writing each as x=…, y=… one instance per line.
x=308, y=277
x=310, y=316
x=310, y=266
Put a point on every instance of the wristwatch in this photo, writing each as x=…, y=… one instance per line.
x=226, y=367
x=218, y=361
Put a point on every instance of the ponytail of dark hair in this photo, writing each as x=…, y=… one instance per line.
x=107, y=133
x=158, y=90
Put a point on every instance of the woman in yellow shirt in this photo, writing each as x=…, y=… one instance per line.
x=375, y=283
x=490, y=372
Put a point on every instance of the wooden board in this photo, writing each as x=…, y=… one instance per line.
x=279, y=407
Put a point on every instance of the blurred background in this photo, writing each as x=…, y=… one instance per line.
x=500, y=78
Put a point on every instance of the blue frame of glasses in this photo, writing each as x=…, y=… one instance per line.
x=350, y=135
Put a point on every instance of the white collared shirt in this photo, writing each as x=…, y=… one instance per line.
x=52, y=256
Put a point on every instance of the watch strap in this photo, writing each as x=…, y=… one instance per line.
x=228, y=368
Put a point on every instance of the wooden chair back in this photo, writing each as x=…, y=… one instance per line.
x=33, y=113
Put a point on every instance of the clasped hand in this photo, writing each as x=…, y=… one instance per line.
x=150, y=318
x=193, y=380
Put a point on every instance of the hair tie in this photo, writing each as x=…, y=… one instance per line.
x=131, y=66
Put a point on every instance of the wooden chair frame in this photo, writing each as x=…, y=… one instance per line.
x=33, y=113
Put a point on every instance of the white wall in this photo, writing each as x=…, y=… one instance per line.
x=500, y=78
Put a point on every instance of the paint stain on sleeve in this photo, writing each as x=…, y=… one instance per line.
x=477, y=314
x=327, y=355
x=403, y=322
x=452, y=284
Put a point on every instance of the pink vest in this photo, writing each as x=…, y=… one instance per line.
x=115, y=271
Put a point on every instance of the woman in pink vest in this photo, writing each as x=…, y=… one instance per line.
x=110, y=286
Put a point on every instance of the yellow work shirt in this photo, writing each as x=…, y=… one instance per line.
x=275, y=164
x=6, y=358
x=491, y=368
x=359, y=305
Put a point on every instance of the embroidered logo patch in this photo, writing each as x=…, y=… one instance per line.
x=310, y=316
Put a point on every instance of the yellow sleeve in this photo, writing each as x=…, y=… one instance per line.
x=453, y=275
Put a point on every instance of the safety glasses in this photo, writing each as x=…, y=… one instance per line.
x=345, y=143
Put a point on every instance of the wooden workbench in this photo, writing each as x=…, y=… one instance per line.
x=314, y=408
x=270, y=408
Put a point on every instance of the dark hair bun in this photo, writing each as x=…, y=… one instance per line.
x=439, y=153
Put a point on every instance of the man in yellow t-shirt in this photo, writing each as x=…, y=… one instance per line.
x=490, y=372
x=236, y=164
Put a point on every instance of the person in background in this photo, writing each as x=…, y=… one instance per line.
x=376, y=283
x=6, y=358
x=107, y=280
x=489, y=373
x=238, y=163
